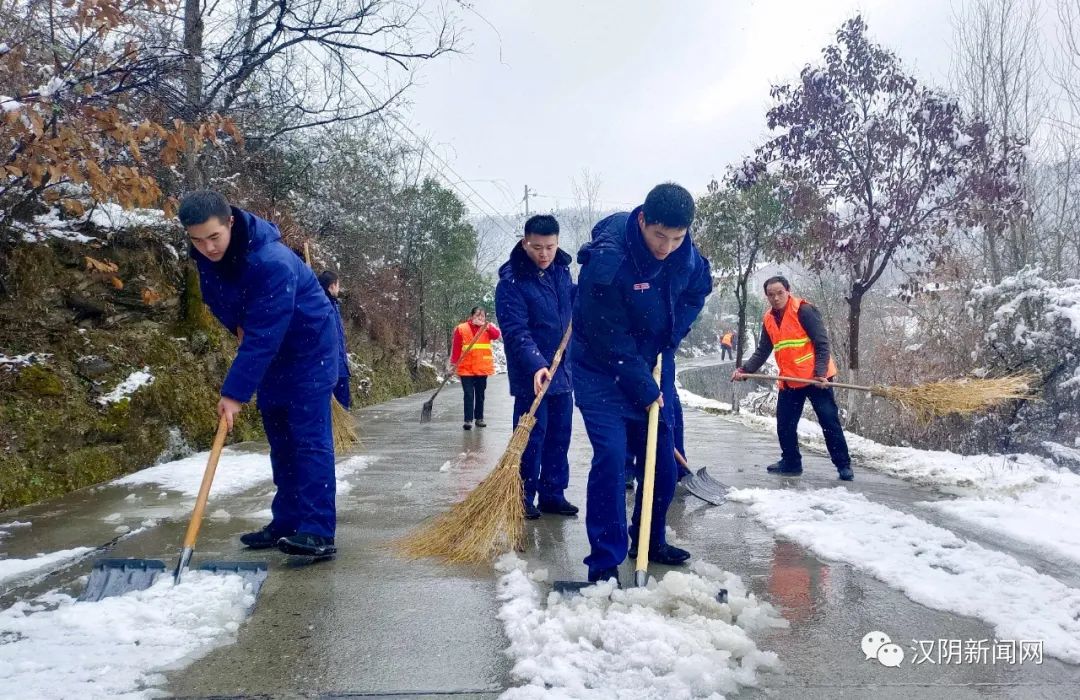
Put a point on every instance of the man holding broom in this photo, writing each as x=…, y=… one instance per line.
x=642, y=284
x=265, y=294
x=793, y=330
x=534, y=301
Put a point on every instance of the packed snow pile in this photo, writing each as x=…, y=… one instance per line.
x=15, y=569
x=672, y=639
x=931, y=565
x=236, y=472
x=56, y=647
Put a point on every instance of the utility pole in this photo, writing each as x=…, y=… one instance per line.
x=527, y=193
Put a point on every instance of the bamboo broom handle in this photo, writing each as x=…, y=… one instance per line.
x=554, y=368
x=641, y=566
x=207, y=480
x=464, y=352
x=835, y=385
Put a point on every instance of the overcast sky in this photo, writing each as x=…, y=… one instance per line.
x=637, y=92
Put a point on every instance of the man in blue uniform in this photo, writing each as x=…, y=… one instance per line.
x=534, y=304
x=642, y=284
x=265, y=294
x=332, y=286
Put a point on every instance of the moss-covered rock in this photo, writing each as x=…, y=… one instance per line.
x=56, y=435
x=39, y=381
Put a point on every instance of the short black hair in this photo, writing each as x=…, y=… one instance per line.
x=542, y=225
x=197, y=207
x=773, y=280
x=474, y=309
x=669, y=205
x=327, y=278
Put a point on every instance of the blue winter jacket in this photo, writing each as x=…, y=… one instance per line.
x=290, y=343
x=534, y=308
x=343, y=353
x=631, y=307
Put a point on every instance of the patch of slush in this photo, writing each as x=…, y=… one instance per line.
x=669, y=640
x=931, y=565
x=11, y=569
x=236, y=472
x=119, y=646
x=357, y=463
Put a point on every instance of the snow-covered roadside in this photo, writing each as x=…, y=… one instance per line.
x=670, y=640
x=931, y=565
x=1021, y=496
x=12, y=569
x=236, y=472
x=55, y=647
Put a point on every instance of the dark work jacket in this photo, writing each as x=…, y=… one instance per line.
x=631, y=307
x=290, y=342
x=343, y=353
x=534, y=308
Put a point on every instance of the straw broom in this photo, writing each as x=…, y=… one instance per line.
x=491, y=519
x=342, y=422
x=941, y=398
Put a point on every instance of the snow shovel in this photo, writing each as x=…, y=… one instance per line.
x=702, y=485
x=425, y=411
x=119, y=576
x=641, y=566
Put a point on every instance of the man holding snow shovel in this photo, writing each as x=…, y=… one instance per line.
x=534, y=300
x=793, y=330
x=642, y=284
x=264, y=293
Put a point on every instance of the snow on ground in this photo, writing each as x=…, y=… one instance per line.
x=356, y=463
x=692, y=400
x=236, y=472
x=13, y=569
x=10, y=362
x=669, y=640
x=117, y=647
x=949, y=472
x=1043, y=517
x=931, y=565
x=109, y=215
x=135, y=381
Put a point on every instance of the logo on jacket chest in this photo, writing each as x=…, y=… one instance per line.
x=642, y=286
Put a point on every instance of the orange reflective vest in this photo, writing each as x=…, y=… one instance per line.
x=726, y=340
x=792, y=348
x=478, y=362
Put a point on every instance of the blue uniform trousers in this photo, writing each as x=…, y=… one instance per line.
x=612, y=437
x=302, y=457
x=545, y=468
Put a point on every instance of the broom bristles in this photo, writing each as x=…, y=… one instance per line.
x=344, y=426
x=963, y=396
x=491, y=519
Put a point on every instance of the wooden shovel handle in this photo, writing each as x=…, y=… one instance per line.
x=207, y=480
x=641, y=566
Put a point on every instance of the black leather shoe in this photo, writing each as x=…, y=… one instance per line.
x=846, y=474
x=531, y=512
x=307, y=545
x=783, y=469
x=559, y=507
x=665, y=554
x=605, y=575
x=480, y=423
x=262, y=539
x=467, y=426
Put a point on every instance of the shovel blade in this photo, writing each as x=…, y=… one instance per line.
x=570, y=587
x=425, y=411
x=111, y=577
x=706, y=488
x=254, y=573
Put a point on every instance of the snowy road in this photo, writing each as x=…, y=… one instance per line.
x=954, y=580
